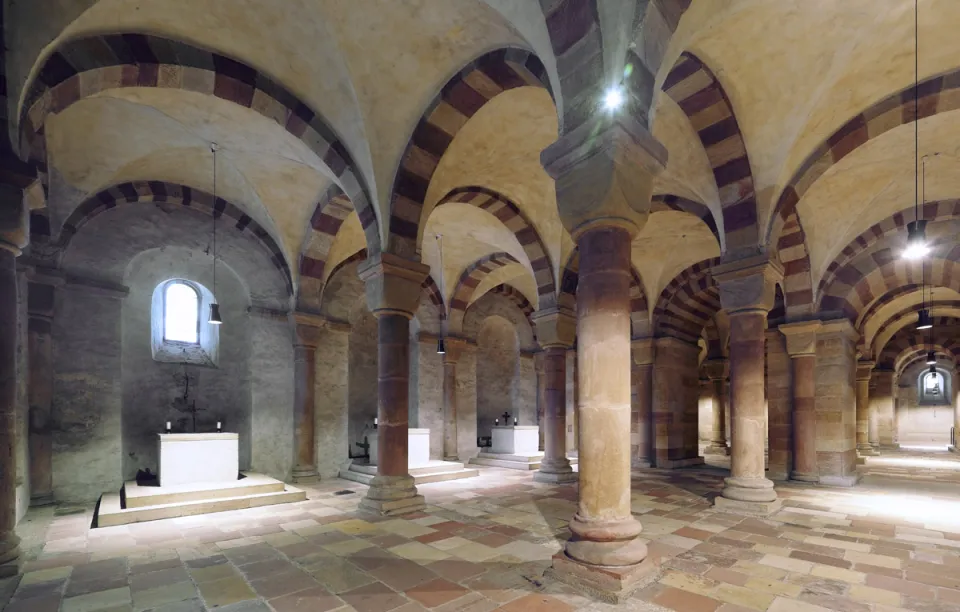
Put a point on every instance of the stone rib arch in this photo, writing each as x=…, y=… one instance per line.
x=160, y=192
x=688, y=302
x=513, y=218
x=935, y=95
x=797, y=275
x=432, y=291
x=467, y=284
x=901, y=320
x=495, y=304
x=84, y=67
x=663, y=202
x=699, y=94
x=458, y=100
x=907, y=342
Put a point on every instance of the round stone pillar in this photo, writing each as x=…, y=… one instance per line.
x=40, y=304
x=306, y=340
x=802, y=348
x=643, y=351
x=716, y=370
x=9, y=542
x=864, y=448
x=746, y=293
x=393, y=293
x=556, y=329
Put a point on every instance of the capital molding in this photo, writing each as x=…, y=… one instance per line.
x=748, y=284
x=643, y=351
x=838, y=327
x=716, y=369
x=392, y=284
x=307, y=320
x=801, y=337
x=14, y=220
x=556, y=327
x=671, y=342
x=864, y=370
x=604, y=171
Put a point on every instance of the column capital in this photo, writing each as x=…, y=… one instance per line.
x=392, y=284
x=454, y=348
x=308, y=328
x=717, y=369
x=864, y=369
x=801, y=337
x=748, y=284
x=643, y=351
x=670, y=341
x=556, y=327
x=839, y=327
x=604, y=170
x=883, y=376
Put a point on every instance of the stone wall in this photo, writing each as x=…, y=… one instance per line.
x=22, y=449
x=676, y=398
x=467, y=404
x=573, y=434
x=498, y=368
x=150, y=387
x=426, y=384
x=332, y=397
x=271, y=390
x=779, y=393
x=882, y=400
x=525, y=391
x=87, y=394
x=921, y=424
x=835, y=377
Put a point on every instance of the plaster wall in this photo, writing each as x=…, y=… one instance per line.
x=87, y=395
x=270, y=375
x=467, y=404
x=332, y=396
x=426, y=403
x=22, y=449
x=676, y=398
x=835, y=405
x=525, y=391
x=498, y=370
x=150, y=387
x=779, y=392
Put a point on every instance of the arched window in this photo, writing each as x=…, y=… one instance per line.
x=179, y=329
x=933, y=388
x=181, y=313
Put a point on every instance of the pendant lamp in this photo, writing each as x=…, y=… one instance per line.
x=214, y=306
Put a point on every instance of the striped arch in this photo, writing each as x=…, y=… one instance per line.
x=936, y=95
x=467, y=285
x=700, y=95
x=155, y=192
x=896, y=224
x=797, y=276
x=331, y=211
x=901, y=320
x=517, y=298
x=459, y=100
x=920, y=354
x=429, y=286
x=858, y=284
x=639, y=308
x=513, y=218
x=686, y=305
x=85, y=67
x=908, y=342
x=676, y=203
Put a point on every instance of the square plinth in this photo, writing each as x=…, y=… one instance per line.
x=187, y=459
x=516, y=440
x=611, y=584
x=746, y=507
x=418, y=447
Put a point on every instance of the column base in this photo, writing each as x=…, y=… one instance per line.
x=717, y=449
x=952, y=448
x=866, y=451
x=392, y=495
x=737, y=506
x=801, y=477
x=777, y=475
x=640, y=464
x=672, y=464
x=753, y=490
x=305, y=476
x=556, y=477
x=453, y=458
x=840, y=481
x=39, y=501
x=891, y=446
x=9, y=555
x=610, y=584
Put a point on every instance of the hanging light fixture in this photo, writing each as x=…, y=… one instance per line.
x=924, y=321
x=917, y=247
x=441, y=349
x=931, y=358
x=214, y=306
x=933, y=369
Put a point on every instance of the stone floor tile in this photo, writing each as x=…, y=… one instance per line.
x=685, y=601
x=316, y=599
x=44, y=603
x=860, y=592
x=436, y=592
x=781, y=604
x=456, y=570
x=423, y=553
x=471, y=602
x=374, y=597
x=535, y=602
x=283, y=584
x=149, y=599
x=95, y=602
x=402, y=574
x=225, y=591
x=337, y=575
x=45, y=575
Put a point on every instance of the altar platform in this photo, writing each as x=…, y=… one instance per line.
x=420, y=466
x=514, y=447
x=137, y=503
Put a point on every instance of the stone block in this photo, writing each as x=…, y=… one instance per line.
x=393, y=507
x=745, y=507
x=611, y=584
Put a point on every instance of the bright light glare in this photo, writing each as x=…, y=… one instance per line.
x=613, y=99
x=916, y=250
x=180, y=313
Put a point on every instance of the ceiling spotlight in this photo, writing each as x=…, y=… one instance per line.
x=441, y=349
x=613, y=99
x=917, y=247
x=933, y=369
x=923, y=320
x=931, y=358
x=215, y=314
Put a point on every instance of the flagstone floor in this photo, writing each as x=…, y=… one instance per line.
x=892, y=543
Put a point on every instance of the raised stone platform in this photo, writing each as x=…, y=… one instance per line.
x=432, y=471
x=517, y=461
x=136, y=504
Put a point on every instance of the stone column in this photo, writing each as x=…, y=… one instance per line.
x=306, y=338
x=882, y=399
x=835, y=403
x=393, y=294
x=40, y=303
x=453, y=348
x=538, y=363
x=802, y=348
x=604, y=172
x=13, y=237
x=955, y=446
x=717, y=371
x=864, y=448
x=644, y=351
x=873, y=426
x=555, y=332
x=746, y=294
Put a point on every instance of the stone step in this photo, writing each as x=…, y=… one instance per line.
x=438, y=471
x=512, y=462
x=137, y=496
x=109, y=512
x=434, y=467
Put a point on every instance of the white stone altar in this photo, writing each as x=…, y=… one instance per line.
x=187, y=458
x=418, y=447
x=516, y=440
